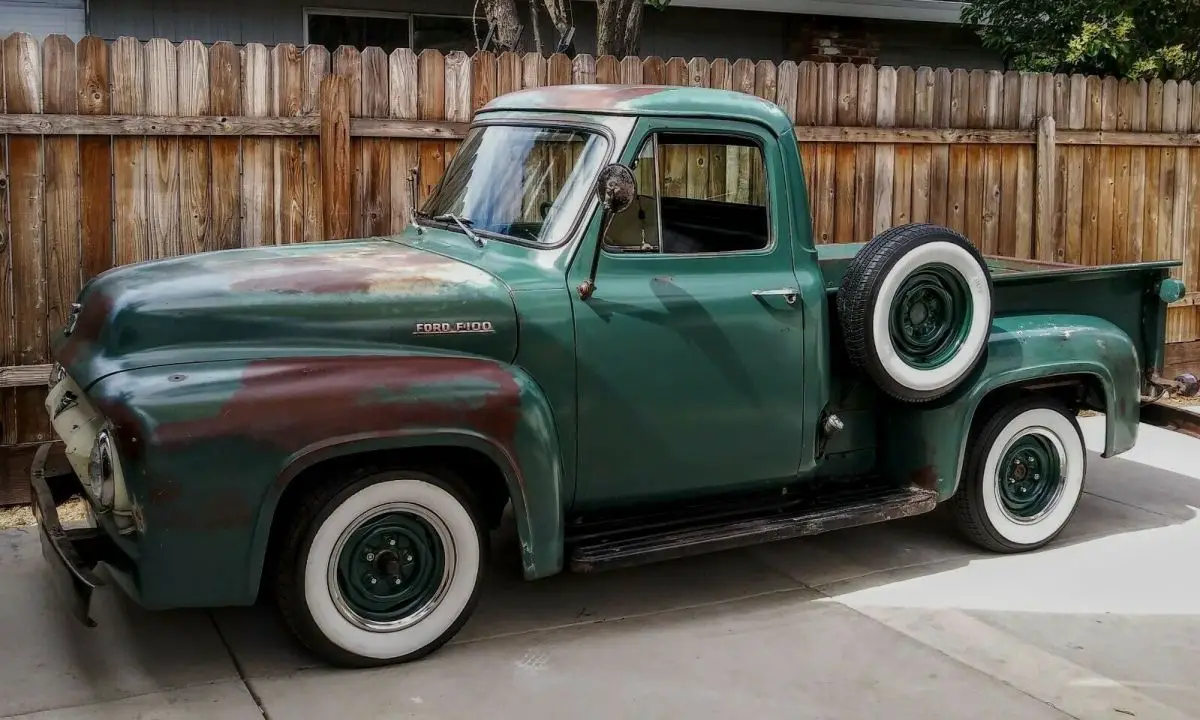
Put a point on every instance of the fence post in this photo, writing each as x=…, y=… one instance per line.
x=335, y=156
x=1045, y=189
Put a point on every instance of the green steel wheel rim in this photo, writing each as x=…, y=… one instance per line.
x=392, y=567
x=931, y=316
x=1031, y=476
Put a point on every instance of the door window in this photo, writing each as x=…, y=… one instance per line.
x=696, y=194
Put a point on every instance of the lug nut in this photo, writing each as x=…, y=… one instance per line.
x=371, y=579
x=392, y=542
x=370, y=556
x=408, y=557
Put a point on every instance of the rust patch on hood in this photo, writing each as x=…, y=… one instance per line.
x=383, y=267
x=298, y=402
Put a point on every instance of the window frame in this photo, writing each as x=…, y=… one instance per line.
x=384, y=14
x=651, y=135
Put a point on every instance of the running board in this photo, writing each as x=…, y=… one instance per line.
x=595, y=552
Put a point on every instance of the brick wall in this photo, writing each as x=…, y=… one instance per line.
x=822, y=38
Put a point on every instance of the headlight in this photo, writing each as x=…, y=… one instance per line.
x=103, y=468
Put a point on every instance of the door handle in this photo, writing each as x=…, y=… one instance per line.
x=790, y=295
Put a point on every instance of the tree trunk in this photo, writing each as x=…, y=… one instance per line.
x=504, y=24
x=618, y=27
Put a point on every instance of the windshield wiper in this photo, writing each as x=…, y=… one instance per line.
x=463, y=223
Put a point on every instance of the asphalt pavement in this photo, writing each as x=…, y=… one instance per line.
x=895, y=621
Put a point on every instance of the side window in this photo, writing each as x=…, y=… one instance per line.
x=696, y=194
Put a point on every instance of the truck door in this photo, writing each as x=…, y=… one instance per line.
x=690, y=352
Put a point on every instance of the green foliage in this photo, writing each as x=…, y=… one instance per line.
x=1126, y=38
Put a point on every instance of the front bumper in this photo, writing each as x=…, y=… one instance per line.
x=72, y=554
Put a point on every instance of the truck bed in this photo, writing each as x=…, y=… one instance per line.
x=1125, y=294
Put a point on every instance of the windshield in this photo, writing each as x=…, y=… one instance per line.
x=522, y=182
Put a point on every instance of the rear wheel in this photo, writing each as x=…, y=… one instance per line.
x=381, y=567
x=1023, y=477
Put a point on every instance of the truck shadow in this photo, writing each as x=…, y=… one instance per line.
x=1122, y=498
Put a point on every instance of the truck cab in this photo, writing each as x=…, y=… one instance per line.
x=610, y=319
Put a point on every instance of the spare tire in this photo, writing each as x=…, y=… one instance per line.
x=915, y=308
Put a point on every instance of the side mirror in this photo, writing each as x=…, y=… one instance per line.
x=616, y=189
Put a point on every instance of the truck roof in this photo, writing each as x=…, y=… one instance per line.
x=646, y=100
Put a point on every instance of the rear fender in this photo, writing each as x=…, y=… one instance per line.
x=926, y=444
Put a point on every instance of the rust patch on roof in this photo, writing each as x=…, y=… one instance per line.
x=582, y=97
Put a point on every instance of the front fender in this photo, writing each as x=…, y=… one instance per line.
x=926, y=445
x=211, y=447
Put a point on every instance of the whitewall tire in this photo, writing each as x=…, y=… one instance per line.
x=382, y=567
x=1023, y=476
x=915, y=309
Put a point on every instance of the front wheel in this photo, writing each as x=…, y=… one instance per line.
x=1023, y=477
x=381, y=567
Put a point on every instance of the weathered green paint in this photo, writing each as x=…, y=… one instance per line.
x=229, y=374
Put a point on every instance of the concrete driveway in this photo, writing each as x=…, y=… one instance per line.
x=891, y=621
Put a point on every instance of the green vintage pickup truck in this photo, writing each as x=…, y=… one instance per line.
x=609, y=317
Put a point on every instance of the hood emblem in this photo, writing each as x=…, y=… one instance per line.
x=454, y=328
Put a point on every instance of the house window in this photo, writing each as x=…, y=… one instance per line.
x=388, y=30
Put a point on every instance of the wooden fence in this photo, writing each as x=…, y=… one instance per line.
x=115, y=153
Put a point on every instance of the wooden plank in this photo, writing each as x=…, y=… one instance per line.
x=1061, y=102
x=225, y=99
x=1191, y=275
x=1046, y=246
x=558, y=72
x=347, y=62
x=26, y=179
x=922, y=155
x=335, y=156
x=533, y=74
x=906, y=95
x=195, y=157
x=431, y=105
x=376, y=155
x=62, y=242
x=8, y=341
x=956, y=198
x=1010, y=117
x=95, y=159
x=631, y=71
x=1138, y=173
x=1090, y=215
x=824, y=204
x=129, y=154
x=1106, y=175
x=608, y=69
x=654, y=70
x=1167, y=177
x=223, y=126
x=698, y=156
x=583, y=69
x=766, y=77
x=162, y=154
x=1153, y=177
x=258, y=177
x=12, y=376
x=458, y=90
x=403, y=105
x=16, y=463
x=1126, y=93
x=846, y=156
x=864, y=156
x=1026, y=119
x=720, y=75
x=978, y=111
x=287, y=96
x=1073, y=218
x=1182, y=327
x=315, y=64
x=885, y=155
x=939, y=170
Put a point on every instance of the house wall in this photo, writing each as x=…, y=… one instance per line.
x=677, y=31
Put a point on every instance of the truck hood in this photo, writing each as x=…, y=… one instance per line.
x=371, y=296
